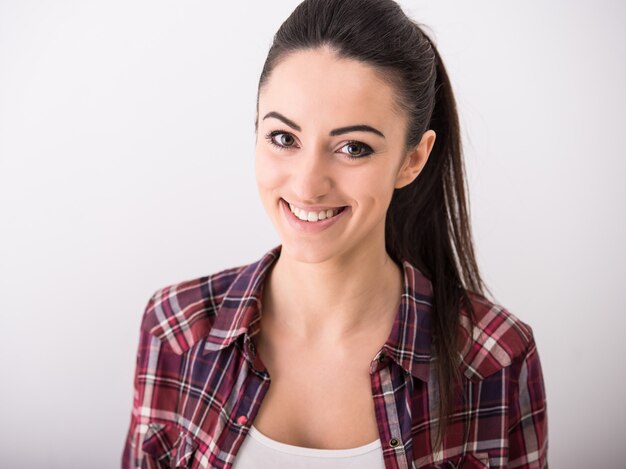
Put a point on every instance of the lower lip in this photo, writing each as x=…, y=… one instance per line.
x=310, y=226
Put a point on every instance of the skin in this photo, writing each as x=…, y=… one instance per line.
x=330, y=299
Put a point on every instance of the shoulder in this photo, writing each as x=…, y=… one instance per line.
x=181, y=313
x=492, y=339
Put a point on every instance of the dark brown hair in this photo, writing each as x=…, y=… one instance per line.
x=428, y=221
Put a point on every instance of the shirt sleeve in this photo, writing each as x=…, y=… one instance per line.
x=528, y=420
x=154, y=400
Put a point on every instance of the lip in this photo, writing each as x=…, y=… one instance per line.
x=307, y=226
x=313, y=208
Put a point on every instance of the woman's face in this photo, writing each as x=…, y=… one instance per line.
x=308, y=158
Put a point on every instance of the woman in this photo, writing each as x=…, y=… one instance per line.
x=364, y=339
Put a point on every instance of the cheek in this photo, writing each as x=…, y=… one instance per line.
x=371, y=186
x=267, y=172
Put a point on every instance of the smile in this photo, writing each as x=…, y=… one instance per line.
x=313, y=221
x=314, y=216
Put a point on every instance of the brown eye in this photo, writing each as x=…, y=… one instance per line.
x=357, y=150
x=354, y=149
x=285, y=139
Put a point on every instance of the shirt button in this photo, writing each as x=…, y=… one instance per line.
x=242, y=420
x=394, y=442
x=252, y=349
x=382, y=356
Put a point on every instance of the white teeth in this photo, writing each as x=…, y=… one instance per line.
x=313, y=216
x=301, y=214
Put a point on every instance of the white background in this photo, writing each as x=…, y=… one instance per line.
x=126, y=163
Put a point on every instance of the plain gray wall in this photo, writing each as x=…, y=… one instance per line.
x=126, y=163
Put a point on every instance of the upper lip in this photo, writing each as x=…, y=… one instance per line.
x=313, y=208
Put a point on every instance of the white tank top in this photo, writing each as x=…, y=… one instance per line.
x=259, y=451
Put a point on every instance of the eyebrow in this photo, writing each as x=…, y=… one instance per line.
x=334, y=132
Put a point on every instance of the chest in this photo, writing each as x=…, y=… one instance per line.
x=319, y=404
x=321, y=394
x=223, y=393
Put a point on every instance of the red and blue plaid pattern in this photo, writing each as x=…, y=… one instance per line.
x=199, y=383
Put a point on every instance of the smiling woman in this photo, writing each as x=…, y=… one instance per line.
x=364, y=339
x=331, y=157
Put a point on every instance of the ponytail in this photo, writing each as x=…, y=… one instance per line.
x=428, y=224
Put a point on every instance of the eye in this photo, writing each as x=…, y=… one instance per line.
x=357, y=150
x=285, y=139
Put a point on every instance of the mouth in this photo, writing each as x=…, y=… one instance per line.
x=314, y=216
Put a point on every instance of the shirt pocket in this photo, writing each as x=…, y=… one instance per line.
x=168, y=446
x=465, y=461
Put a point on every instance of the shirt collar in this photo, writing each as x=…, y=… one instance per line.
x=409, y=343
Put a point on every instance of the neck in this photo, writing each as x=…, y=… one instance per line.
x=332, y=300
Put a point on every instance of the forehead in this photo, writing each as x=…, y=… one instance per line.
x=317, y=85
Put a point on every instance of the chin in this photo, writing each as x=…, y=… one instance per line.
x=308, y=251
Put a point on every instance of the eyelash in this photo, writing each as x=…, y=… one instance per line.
x=270, y=138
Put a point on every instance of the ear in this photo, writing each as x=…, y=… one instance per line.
x=415, y=159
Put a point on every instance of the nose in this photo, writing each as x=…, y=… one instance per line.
x=311, y=177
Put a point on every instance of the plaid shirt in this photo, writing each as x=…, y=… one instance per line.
x=199, y=382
